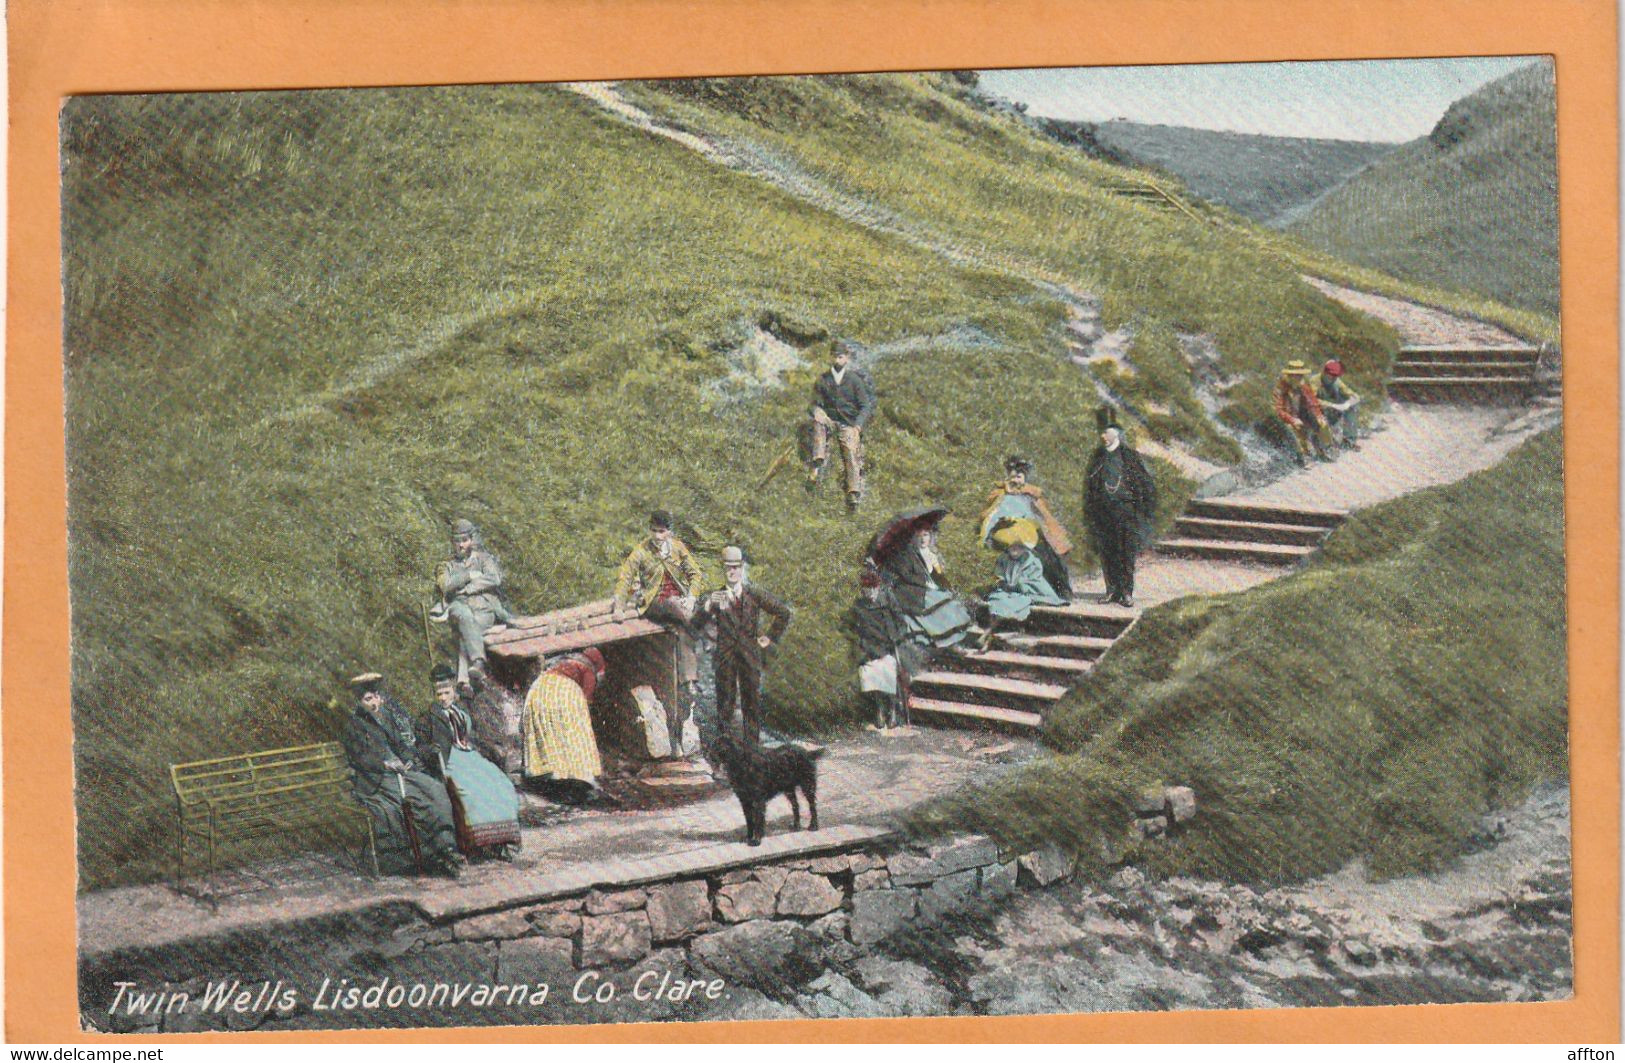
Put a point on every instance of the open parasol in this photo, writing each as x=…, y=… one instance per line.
x=900, y=530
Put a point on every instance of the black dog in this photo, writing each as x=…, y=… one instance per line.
x=758, y=775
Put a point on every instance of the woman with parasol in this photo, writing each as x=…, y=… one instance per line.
x=906, y=551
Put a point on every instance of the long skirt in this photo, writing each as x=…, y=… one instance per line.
x=558, y=731
x=490, y=803
x=431, y=823
x=944, y=622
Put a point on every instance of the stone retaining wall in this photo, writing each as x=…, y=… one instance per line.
x=760, y=929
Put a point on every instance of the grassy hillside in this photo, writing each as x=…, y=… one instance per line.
x=1471, y=206
x=1370, y=706
x=305, y=331
x=1259, y=177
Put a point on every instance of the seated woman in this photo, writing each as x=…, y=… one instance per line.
x=1016, y=499
x=1021, y=577
x=411, y=813
x=934, y=616
x=480, y=792
x=561, y=753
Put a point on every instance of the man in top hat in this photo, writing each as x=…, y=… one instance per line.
x=411, y=812
x=471, y=587
x=661, y=579
x=736, y=611
x=1299, y=409
x=843, y=402
x=1339, y=401
x=1120, y=503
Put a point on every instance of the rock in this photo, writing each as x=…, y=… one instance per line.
x=744, y=901
x=1045, y=866
x=805, y=893
x=947, y=894
x=730, y=878
x=535, y=959
x=678, y=910
x=832, y=935
x=861, y=862
x=999, y=880
x=830, y=865
x=1218, y=485
x=772, y=877
x=1149, y=802
x=1129, y=878
x=743, y=1004
x=608, y=903
x=878, y=879
x=903, y=988
x=555, y=923
x=606, y=940
x=511, y=923
x=946, y=858
x=758, y=954
x=1152, y=827
x=1358, y=952
x=833, y=996
x=1181, y=803
x=878, y=914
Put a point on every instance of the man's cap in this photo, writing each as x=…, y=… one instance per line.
x=1333, y=368
x=462, y=528
x=366, y=682
x=1296, y=368
x=844, y=347
x=442, y=673
x=660, y=519
x=1017, y=463
x=733, y=555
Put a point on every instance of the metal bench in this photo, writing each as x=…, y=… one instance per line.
x=275, y=792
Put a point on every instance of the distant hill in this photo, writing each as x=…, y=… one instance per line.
x=1472, y=205
x=1265, y=178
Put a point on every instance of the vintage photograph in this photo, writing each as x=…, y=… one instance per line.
x=961, y=542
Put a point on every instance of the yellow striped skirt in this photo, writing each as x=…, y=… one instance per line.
x=558, y=731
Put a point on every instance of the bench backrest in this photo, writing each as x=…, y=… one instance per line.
x=299, y=782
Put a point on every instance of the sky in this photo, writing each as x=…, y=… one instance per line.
x=1382, y=99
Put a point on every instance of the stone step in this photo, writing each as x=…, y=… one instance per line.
x=1469, y=390
x=1089, y=619
x=1242, y=509
x=1463, y=352
x=1079, y=647
x=1405, y=367
x=1219, y=550
x=948, y=685
x=968, y=714
x=1016, y=665
x=1249, y=531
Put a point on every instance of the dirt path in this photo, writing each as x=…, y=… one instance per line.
x=1417, y=324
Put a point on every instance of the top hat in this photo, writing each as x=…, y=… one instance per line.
x=1106, y=417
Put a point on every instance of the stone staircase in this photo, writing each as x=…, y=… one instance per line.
x=1010, y=687
x=1467, y=375
x=1259, y=533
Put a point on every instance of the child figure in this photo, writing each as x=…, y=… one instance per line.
x=882, y=640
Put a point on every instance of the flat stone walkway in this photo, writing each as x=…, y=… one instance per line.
x=866, y=784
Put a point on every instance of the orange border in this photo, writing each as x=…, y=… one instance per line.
x=59, y=47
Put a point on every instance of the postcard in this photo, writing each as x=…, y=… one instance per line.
x=990, y=540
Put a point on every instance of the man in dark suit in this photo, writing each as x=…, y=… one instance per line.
x=843, y=403
x=741, y=647
x=1120, y=502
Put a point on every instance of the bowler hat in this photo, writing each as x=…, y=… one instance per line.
x=442, y=673
x=660, y=519
x=733, y=555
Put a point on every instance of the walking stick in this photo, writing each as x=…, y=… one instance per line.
x=778, y=463
x=428, y=639
x=411, y=826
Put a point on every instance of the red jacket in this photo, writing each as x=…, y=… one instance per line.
x=1284, y=404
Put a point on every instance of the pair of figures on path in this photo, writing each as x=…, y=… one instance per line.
x=662, y=579
x=407, y=775
x=1319, y=412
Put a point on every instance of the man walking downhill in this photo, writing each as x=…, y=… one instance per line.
x=843, y=403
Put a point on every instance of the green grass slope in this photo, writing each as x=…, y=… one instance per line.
x=1260, y=177
x=305, y=331
x=1373, y=705
x=1471, y=206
